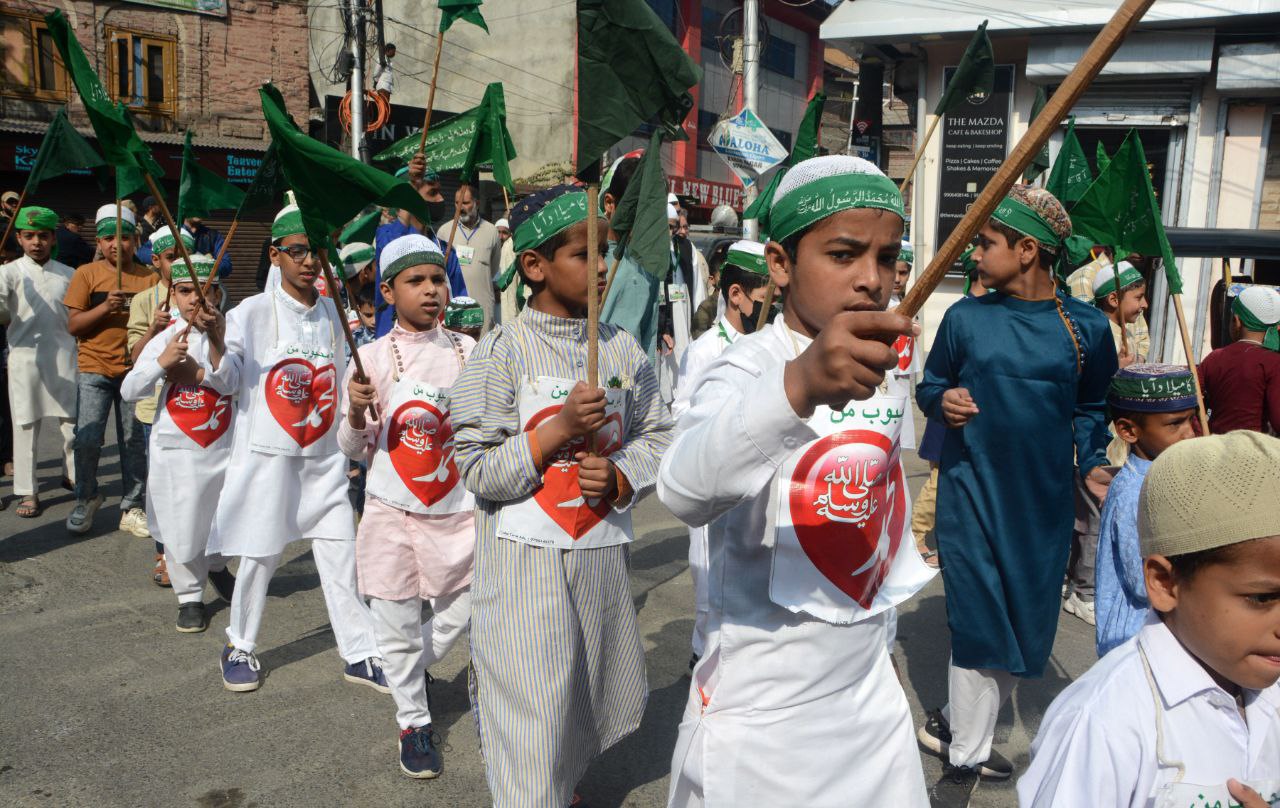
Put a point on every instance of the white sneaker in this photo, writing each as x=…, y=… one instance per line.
x=134, y=521
x=81, y=517
x=1083, y=609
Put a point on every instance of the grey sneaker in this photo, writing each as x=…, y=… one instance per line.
x=134, y=521
x=81, y=518
x=191, y=618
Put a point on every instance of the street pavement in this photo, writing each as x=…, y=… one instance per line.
x=105, y=704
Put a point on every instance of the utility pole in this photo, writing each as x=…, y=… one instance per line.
x=750, y=88
x=358, y=147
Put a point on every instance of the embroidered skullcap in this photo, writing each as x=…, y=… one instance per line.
x=1114, y=279
x=1258, y=308
x=819, y=187
x=1210, y=492
x=747, y=256
x=106, y=220
x=355, y=257
x=1152, y=387
x=288, y=222
x=162, y=240
x=1037, y=213
x=463, y=312
x=409, y=250
x=906, y=254
x=34, y=217
x=203, y=265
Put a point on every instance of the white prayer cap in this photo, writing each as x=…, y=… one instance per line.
x=672, y=199
x=410, y=250
x=1114, y=278
x=108, y=211
x=672, y=213
x=1262, y=302
x=355, y=257
x=502, y=223
x=163, y=239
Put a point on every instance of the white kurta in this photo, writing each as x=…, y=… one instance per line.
x=186, y=477
x=818, y=701
x=1097, y=744
x=269, y=500
x=42, y=353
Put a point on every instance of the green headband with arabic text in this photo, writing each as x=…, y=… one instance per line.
x=811, y=203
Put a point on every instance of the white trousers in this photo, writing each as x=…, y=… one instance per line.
x=25, y=440
x=189, y=579
x=410, y=646
x=974, y=701
x=349, y=617
x=699, y=567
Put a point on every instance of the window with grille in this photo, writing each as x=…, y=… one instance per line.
x=143, y=71
x=30, y=66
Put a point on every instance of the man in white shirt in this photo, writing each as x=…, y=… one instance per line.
x=384, y=78
x=479, y=249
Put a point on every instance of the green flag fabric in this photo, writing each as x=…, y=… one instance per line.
x=491, y=144
x=330, y=187
x=1100, y=157
x=201, y=192
x=1040, y=163
x=1071, y=175
x=640, y=219
x=468, y=10
x=63, y=149
x=447, y=143
x=630, y=70
x=112, y=124
x=806, y=146
x=1120, y=210
x=975, y=75
x=363, y=228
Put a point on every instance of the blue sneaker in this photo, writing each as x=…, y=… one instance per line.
x=369, y=673
x=239, y=670
x=418, y=754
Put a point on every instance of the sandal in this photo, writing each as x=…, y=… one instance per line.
x=930, y=557
x=160, y=573
x=28, y=508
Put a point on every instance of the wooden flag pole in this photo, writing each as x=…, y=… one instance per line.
x=346, y=326
x=453, y=231
x=8, y=229
x=1191, y=363
x=208, y=284
x=119, y=252
x=593, y=289
x=177, y=237
x=928, y=135
x=1090, y=64
x=431, y=96
x=769, y=292
x=613, y=271
x=506, y=200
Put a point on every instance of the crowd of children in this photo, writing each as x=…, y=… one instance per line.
x=498, y=488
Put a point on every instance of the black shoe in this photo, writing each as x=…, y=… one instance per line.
x=955, y=788
x=419, y=757
x=935, y=737
x=191, y=619
x=224, y=583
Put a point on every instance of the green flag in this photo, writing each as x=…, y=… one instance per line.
x=974, y=76
x=1040, y=163
x=806, y=146
x=630, y=70
x=267, y=187
x=330, y=187
x=1101, y=158
x=640, y=220
x=447, y=143
x=113, y=126
x=362, y=228
x=469, y=10
x=63, y=149
x=1070, y=176
x=200, y=191
x=491, y=143
x=1120, y=210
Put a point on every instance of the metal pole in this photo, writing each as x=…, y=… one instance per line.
x=357, y=79
x=750, y=87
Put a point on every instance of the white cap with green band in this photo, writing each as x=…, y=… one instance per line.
x=355, y=257
x=747, y=256
x=1116, y=279
x=203, y=265
x=819, y=187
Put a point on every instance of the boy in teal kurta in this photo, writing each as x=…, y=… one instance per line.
x=1020, y=376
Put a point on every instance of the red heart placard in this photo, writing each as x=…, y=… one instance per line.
x=848, y=506
x=560, y=496
x=420, y=443
x=906, y=348
x=302, y=398
x=201, y=414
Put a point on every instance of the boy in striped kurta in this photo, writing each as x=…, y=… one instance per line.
x=557, y=665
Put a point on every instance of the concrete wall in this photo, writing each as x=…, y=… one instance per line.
x=530, y=49
x=1269, y=210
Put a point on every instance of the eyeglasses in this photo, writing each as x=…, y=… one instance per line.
x=297, y=252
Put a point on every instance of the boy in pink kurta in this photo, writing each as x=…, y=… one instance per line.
x=416, y=540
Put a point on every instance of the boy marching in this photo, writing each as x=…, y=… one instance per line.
x=790, y=453
x=557, y=664
x=286, y=479
x=190, y=441
x=416, y=540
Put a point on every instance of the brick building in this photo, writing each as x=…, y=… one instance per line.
x=177, y=64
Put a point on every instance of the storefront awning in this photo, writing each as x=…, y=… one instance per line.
x=1251, y=69
x=1147, y=55
x=918, y=20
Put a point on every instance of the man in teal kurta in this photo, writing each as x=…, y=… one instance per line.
x=632, y=304
x=1020, y=376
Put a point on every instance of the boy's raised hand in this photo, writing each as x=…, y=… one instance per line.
x=582, y=412
x=958, y=407
x=174, y=354
x=361, y=396
x=596, y=476
x=846, y=362
x=160, y=321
